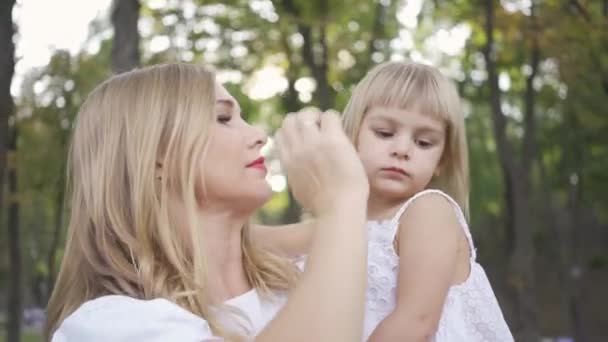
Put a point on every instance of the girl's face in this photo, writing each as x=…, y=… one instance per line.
x=401, y=151
x=233, y=168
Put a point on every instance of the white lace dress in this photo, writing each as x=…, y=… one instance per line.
x=471, y=312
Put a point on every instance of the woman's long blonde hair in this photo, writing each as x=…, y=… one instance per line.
x=121, y=238
x=422, y=88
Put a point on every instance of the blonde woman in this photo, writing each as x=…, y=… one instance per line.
x=424, y=282
x=164, y=176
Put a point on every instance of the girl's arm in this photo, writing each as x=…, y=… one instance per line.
x=428, y=246
x=291, y=240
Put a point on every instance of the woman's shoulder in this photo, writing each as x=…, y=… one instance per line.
x=123, y=318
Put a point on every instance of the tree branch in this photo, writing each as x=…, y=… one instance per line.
x=578, y=7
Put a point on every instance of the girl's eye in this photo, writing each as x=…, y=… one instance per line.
x=383, y=134
x=224, y=118
x=424, y=143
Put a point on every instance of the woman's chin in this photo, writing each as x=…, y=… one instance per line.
x=258, y=198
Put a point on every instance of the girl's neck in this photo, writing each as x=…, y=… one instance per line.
x=381, y=208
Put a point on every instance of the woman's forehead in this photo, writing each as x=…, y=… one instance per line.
x=221, y=93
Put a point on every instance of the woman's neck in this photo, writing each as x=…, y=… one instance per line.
x=226, y=273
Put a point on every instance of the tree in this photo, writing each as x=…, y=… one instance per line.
x=7, y=107
x=50, y=99
x=516, y=174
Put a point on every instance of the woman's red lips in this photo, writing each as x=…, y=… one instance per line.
x=258, y=164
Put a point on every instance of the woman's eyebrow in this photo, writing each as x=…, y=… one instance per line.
x=227, y=102
x=230, y=103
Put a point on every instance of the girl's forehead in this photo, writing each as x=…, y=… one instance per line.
x=398, y=116
x=430, y=106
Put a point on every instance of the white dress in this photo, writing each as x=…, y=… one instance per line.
x=471, y=312
x=118, y=318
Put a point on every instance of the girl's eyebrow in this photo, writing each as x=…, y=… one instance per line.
x=423, y=128
x=429, y=129
x=384, y=117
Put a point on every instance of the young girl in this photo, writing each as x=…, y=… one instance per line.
x=424, y=282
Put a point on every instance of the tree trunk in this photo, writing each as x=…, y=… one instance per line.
x=317, y=63
x=574, y=267
x=125, y=48
x=522, y=276
x=315, y=55
x=517, y=196
x=509, y=226
x=575, y=270
x=378, y=33
x=15, y=288
x=7, y=107
x=567, y=228
x=7, y=69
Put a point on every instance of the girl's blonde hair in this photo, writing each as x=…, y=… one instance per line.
x=138, y=142
x=420, y=88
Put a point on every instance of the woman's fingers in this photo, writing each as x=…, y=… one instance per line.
x=330, y=123
x=289, y=130
x=308, y=124
x=282, y=148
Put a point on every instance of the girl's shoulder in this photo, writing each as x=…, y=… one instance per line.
x=433, y=202
x=430, y=204
x=431, y=197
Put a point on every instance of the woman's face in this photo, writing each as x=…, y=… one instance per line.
x=234, y=172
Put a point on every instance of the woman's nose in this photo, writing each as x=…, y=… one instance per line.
x=259, y=137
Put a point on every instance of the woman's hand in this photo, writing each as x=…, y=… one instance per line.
x=322, y=166
x=327, y=178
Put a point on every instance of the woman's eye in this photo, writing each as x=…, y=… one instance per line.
x=224, y=119
x=383, y=134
